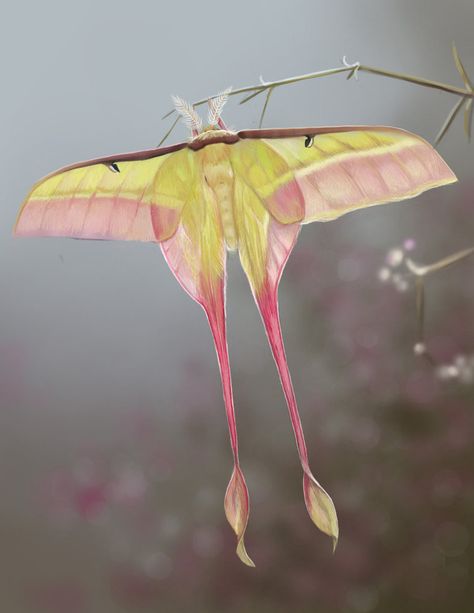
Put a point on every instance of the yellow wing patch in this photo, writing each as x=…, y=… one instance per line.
x=251, y=219
x=341, y=171
x=142, y=201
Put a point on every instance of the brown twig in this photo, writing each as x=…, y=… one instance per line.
x=466, y=94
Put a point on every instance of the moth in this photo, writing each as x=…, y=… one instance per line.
x=247, y=192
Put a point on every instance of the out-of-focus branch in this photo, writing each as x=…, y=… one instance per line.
x=462, y=367
x=465, y=94
x=421, y=271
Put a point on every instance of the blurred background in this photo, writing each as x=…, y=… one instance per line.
x=114, y=445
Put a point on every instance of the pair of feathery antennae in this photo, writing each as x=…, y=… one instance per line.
x=191, y=118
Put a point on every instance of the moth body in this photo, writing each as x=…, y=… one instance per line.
x=219, y=184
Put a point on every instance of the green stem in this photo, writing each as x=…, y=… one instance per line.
x=401, y=76
x=351, y=68
x=466, y=94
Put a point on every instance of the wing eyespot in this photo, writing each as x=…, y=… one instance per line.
x=113, y=167
x=308, y=141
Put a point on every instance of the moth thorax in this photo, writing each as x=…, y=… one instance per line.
x=220, y=179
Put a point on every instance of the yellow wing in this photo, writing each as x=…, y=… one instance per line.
x=136, y=196
x=305, y=175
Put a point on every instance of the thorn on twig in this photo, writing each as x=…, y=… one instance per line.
x=355, y=68
x=462, y=71
x=449, y=120
x=173, y=125
x=469, y=86
x=168, y=113
x=270, y=91
x=468, y=119
x=252, y=95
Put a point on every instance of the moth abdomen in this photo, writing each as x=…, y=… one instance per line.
x=219, y=177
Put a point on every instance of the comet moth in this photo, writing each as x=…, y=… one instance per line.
x=247, y=192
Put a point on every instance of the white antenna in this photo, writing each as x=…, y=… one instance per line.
x=188, y=113
x=216, y=105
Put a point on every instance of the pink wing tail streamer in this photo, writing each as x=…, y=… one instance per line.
x=210, y=294
x=281, y=240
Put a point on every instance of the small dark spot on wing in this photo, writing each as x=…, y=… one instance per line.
x=113, y=166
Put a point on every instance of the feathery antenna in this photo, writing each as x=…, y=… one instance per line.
x=188, y=113
x=216, y=105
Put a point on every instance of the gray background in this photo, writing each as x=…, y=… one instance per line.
x=93, y=332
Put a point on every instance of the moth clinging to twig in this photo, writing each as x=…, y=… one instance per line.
x=249, y=192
